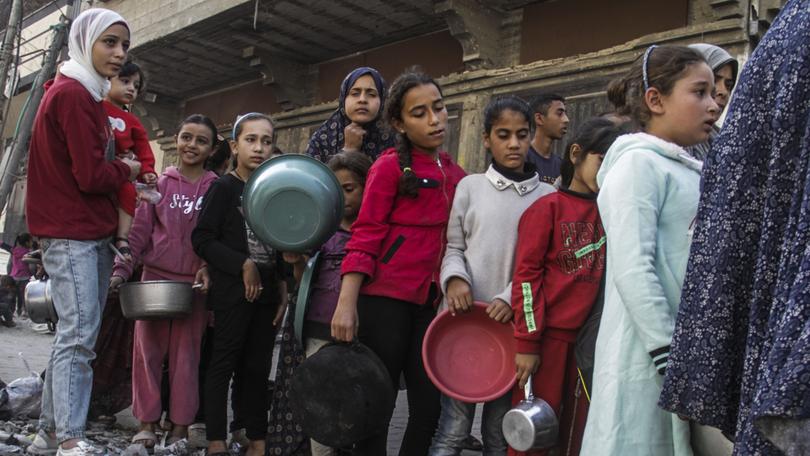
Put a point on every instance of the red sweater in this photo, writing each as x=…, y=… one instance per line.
x=71, y=185
x=559, y=263
x=130, y=135
x=398, y=242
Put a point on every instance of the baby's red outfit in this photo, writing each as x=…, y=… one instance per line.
x=130, y=136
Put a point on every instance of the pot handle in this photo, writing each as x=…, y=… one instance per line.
x=527, y=390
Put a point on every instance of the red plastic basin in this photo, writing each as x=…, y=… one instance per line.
x=469, y=356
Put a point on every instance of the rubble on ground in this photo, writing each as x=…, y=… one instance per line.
x=16, y=435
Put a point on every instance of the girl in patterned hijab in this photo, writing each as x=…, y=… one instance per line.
x=356, y=124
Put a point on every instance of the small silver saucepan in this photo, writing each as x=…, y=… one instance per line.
x=39, y=302
x=532, y=424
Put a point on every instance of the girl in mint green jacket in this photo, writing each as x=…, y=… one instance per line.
x=649, y=190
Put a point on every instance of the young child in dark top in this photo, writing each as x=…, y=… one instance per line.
x=8, y=296
x=350, y=168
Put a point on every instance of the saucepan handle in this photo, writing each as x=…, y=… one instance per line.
x=527, y=390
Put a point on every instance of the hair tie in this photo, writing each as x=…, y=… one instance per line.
x=644, y=66
x=407, y=169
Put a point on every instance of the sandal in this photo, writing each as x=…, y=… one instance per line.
x=146, y=438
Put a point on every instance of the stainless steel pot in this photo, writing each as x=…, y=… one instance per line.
x=156, y=299
x=532, y=424
x=39, y=302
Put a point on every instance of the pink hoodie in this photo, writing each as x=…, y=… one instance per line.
x=161, y=233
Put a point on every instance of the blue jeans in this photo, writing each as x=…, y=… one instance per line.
x=80, y=276
x=456, y=423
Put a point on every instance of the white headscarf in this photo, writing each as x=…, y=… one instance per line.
x=84, y=32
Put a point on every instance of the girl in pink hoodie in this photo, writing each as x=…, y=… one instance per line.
x=161, y=239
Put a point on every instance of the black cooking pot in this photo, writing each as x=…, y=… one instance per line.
x=342, y=395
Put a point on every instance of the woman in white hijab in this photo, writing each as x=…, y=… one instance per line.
x=72, y=176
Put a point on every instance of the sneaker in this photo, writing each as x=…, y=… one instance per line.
x=43, y=444
x=83, y=448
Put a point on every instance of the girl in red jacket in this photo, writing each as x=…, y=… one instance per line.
x=391, y=268
x=560, y=259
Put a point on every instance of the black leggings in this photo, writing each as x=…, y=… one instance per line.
x=21, y=284
x=205, y=357
x=243, y=345
x=394, y=329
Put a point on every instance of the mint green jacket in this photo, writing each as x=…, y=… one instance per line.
x=649, y=191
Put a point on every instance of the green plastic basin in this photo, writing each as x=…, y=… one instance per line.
x=293, y=203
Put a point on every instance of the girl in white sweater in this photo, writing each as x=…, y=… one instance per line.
x=478, y=263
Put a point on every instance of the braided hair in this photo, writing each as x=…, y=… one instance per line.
x=413, y=77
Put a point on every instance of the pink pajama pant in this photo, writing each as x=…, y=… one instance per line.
x=180, y=340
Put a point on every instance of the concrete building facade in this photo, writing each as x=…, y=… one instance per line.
x=288, y=57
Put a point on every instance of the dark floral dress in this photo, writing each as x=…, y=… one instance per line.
x=285, y=436
x=740, y=356
x=112, y=368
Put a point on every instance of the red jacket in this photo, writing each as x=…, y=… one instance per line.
x=559, y=262
x=71, y=185
x=398, y=241
x=130, y=135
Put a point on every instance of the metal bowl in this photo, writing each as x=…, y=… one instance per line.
x=39, y=302
x=156, y=299
x=293, y=203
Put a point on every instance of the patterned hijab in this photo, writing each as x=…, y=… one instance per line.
x=740, y=356
x=328, y=139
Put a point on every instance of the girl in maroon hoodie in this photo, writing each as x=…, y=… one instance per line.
x=391, y=268
x=559, y=262
x=161, y=239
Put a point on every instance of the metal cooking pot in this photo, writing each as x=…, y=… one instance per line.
x=532, y=424
x=357, y=403
x=39, y=302
x=156, y=299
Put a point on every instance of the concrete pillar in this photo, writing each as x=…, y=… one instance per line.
x=169, y=147
x=292, y=82
x=160, y=116
x=471, y=154
x=477, y=28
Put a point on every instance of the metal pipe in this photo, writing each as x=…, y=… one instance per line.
x=20, y=144
x=5, y=52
